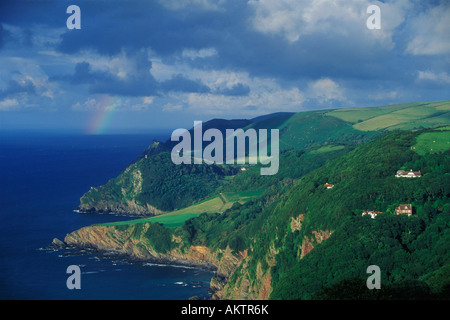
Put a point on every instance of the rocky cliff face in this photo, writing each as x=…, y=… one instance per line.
x=132, y=242
x=128, y=208
x=123, y=201
x=245, y=283
x=310, y=242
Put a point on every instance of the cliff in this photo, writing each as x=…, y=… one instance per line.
x=132, y=241
x=297, y=240
x=127, y=207
x=153, y=185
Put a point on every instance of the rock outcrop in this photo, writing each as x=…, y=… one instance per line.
x=131, y=208
x=310, y=242
x=132, y=242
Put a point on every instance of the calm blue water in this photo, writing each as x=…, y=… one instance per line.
x=41, y=180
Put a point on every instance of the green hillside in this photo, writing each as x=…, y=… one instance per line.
x=154, y=185
x=332, y=244
x=215, y=204
x=289, y=236
x=433, y=142
x=403, y=116
x=306, y=129
x=311, y=242
x=409, y=250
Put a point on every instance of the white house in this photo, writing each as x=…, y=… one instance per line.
x=406, y=174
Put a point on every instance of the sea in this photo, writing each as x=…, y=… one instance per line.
x=42, y=177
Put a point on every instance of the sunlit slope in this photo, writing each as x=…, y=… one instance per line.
x=153, y=184
x=304, y=130
x=214, y=204
x=352, y=125
x=433, y=142
x=402, y=116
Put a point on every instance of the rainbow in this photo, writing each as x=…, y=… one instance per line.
x=106, y=109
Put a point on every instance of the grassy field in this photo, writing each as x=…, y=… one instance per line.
x=402, y=116
x=242, y=196
x=218, y=203
x=432, y=142
x=324, y=149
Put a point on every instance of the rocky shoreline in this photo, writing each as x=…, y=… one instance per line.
x=217, y=283
x=120, y=210
x=60, y=245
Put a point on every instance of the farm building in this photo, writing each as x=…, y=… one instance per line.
x=410, y=174
x=404, y=209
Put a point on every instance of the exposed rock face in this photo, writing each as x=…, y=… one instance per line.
x=130, y=182
x=57, y=244
x=296, y=223
x=126, y=242
x=131, y=240
x=309, y=242
x=130, y=208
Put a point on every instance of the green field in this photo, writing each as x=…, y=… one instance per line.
x=324, y=149
x=242, y=196
x=402, y=116
x=217, y=203
x=433, y=142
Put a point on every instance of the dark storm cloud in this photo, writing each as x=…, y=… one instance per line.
x=147, y=24
x=83, y=75
x=108, y=27
x=182, y=84
x=5, y=36
x=139, y=83
x=2, y=35
x=140, y=24
x=29, y=13
x=262, y=47
x=18, y=87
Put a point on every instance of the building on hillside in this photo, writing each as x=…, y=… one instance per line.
x=328, y=185
x=372, y=214
x=406, y=209
x=410, y=174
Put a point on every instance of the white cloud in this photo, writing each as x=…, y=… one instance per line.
x=276, y=100
x=324, y=90
x=202, y=53
x=265, y=94
x=148, y=100
x=26, y=72
x=122, y=65
x=431, y=31
x=296, y=18
x=257, y=102
x=9, y=104
x=435, y=77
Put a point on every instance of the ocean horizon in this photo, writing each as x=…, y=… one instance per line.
x=42, y=178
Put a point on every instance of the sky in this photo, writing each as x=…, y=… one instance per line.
x=137, y=66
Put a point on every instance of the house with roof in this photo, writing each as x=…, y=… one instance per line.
x=406, y=174
x=328, y=185
x=406, y=209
